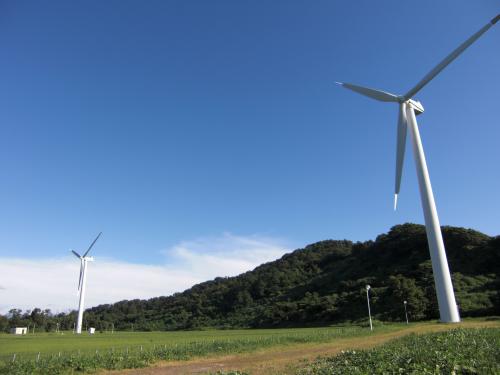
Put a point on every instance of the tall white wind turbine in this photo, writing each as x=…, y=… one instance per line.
x=408, y=109
x=81, y=282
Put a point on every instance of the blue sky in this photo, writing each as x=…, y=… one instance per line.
x=213, y=124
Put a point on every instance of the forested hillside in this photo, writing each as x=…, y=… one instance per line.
x=325, y=283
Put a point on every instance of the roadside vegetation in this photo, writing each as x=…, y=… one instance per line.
x=459, y=351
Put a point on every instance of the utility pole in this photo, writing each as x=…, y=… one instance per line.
x=368, y=300
x=406, y=313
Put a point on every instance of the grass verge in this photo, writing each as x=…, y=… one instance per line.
x=458, y=351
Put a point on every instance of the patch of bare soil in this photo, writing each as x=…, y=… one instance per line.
x=285, y=359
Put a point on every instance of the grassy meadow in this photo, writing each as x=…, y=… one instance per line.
x=458, y=351
x=61, y=353
x=53, y=343
x=64, y=352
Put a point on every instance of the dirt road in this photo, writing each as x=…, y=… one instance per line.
x=284, y=359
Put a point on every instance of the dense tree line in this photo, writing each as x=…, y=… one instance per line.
x=324, y=283
x=37, y=320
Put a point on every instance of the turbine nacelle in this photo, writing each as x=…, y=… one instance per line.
x=416, y=105
x=81, y=257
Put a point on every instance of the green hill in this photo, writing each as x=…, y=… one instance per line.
x=324, y=283
x=321, y=284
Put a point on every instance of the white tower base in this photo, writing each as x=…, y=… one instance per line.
x=82, y=297
x=448, y=310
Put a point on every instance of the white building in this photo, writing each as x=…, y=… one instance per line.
x=19, y=330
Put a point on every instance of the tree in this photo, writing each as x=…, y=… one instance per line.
x=400, y=289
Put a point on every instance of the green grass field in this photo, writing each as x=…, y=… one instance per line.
x=60, y=353
x=51, y=353
x=52, y=343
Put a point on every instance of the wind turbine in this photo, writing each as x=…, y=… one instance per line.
x=408, y=109
x=81, y=282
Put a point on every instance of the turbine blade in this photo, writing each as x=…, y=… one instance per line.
x=92, y=244
x=76, y=254
x=80, y=278
x=400, y=151
x=371, y=93
x=448, y=59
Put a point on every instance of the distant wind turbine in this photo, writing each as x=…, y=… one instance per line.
x=408, y=109
x=81, y=282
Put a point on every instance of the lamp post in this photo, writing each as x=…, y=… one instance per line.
x=368, y=300
x=406, y=313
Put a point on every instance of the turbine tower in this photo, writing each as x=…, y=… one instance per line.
x=81, y=282
x=408, y=110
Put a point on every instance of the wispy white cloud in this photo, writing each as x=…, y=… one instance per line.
x=52, y=283
x=228, y=254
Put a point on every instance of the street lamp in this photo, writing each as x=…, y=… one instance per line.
x=368, y=300
x=406, y=313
